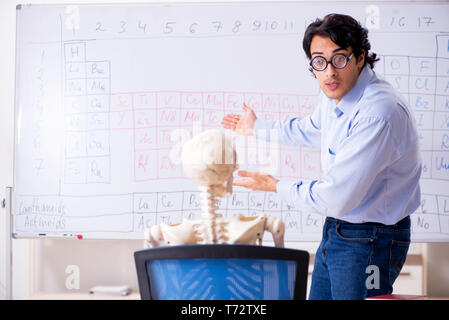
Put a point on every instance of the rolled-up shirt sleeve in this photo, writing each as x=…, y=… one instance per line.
x=358, y=160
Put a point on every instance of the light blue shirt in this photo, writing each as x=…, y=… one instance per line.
x=370, y=160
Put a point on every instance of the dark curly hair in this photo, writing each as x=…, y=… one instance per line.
x=344, y=31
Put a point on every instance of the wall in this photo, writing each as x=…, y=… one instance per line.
x=99, y=262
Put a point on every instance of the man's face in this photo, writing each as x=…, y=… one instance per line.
x=334, y=82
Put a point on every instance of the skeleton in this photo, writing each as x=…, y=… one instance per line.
x=210, y=160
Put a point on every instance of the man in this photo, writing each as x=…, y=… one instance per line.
x=369, y=158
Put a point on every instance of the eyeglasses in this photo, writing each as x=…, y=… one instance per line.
x=339, y=61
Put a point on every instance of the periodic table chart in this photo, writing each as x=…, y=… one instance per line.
x=107, y=94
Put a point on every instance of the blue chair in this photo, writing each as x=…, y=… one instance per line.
x=222, y=272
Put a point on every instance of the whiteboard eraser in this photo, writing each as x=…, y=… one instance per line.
x=111, y=290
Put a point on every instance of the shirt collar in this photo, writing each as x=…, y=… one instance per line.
x=353, y=96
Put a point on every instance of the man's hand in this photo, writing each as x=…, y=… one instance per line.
x=256, y=181
x=243, y=124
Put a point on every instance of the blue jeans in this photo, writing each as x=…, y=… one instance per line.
x=355, y=261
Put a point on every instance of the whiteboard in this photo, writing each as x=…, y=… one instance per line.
x=105, y=95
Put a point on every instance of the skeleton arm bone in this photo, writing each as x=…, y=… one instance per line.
x=277, y=228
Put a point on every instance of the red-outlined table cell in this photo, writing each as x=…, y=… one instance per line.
x=254, y=101
x=191, y=100
x=168, y=117
x=145, y=139
x=212, y=118
x=168, y=137
x=144, y=100
x=233, y=102
x=267, y=160
x=213, y=100
x=267, y=115
x=169, y=164
x=242, y=157
x=286, y=116
x=190, y=116
x=307, y=104
x=168, y=99
x=290, y=163
x=289, y=104
x=144, y=118
x=252, y=157
x=121, y=120
x=145, y=165
x=270, y=102
x=121, y=102
x=310, y=164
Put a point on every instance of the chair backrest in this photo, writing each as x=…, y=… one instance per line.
x=222, y=272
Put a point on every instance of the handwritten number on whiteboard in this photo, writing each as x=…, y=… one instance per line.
x=122, y=26
x=142, y=26
x=426, y=21
x=256, y=25
x=217, y=25
x=99, y=26
x=237, y=26
x=169, y=27
x=192, y=27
